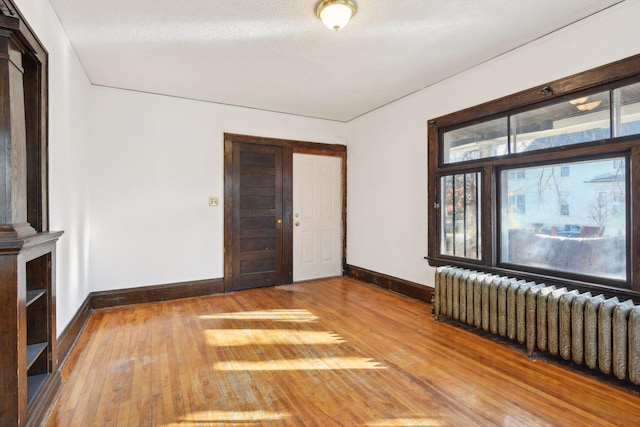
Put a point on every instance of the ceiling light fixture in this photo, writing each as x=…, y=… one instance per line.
x=589, y=106
x=579, y=100
x=335, y=14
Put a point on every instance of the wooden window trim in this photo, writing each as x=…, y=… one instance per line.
x=602, y=77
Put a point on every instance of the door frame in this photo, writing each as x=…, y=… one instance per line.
x=288, y=148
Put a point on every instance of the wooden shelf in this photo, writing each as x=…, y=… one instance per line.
x=34, y=385
x=33, y=351
x=33, y=296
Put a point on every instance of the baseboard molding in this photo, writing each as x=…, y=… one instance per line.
x=394, y=284
x=156, y=293
x=69, y=336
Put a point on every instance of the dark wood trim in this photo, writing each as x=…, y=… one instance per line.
x=319, y=152
x=72, y=331
x=634, y=237
x=564, y=87
x=289, y=147
x=404, y=287
x=489, y=220
x=228, y=213
x=287, y=214
x=156, y=293
x=285, y=142
x=433, y=203
x=344, y=211
x=36, y=106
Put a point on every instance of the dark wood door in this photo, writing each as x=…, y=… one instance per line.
x=257, y=207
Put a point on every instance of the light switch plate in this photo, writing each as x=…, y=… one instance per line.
x=213, y=201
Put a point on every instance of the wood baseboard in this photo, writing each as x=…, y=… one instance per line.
x=156, y=293
x=394, y=284
x=68, y=337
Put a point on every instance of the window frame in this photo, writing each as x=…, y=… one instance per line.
x=607, y=77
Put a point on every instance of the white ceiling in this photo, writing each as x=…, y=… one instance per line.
x=276, y=55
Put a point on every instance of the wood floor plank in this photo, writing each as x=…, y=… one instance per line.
x=333, y=352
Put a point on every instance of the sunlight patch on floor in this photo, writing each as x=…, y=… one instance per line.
x=238, y=337
x=401, y=422
x=316, y=363
x=199, y=418
x=278, y=315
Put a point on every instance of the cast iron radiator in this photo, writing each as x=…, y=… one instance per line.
x=589, y=330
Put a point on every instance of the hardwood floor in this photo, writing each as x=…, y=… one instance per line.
x=322, y=353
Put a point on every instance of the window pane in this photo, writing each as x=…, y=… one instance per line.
x=486, y=139
x=627, y=113
x=574, y=223
x=576, y=121
x=460, y=220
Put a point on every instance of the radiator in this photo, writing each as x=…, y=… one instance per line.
x=588, y=330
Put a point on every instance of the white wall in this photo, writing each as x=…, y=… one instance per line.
x=155, y=160
x=130, y=173
x=130, y=176
x=69, y=100
x=387, y=162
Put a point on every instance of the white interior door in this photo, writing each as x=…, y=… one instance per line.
x=317, y=216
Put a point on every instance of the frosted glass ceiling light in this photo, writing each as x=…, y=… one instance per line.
x=335, y=14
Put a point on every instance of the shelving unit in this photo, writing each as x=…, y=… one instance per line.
x=30, y=377
x=27, y=284
x=38, y=284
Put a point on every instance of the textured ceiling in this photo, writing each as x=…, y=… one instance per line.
x=276, y=55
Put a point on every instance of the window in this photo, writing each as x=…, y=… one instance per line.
x=519, y=174
x=487, y=139
x=575, y=121
x=627, y=115
x=461, y=215
x=617, y=164
x=568, y=122
x=516, y=204
x=542, y=183
x=586, y=237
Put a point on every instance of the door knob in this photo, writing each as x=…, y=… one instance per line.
x=278, y=223
x=297, y=223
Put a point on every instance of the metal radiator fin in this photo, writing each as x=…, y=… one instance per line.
x=634, y=345
x=591, y=331
x=553, y=320
x=577, y=327
x=620, y=338
x=542, y=317
x=564, y=323
x=605, y=334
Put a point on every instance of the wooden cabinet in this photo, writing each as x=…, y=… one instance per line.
x=29, y=376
